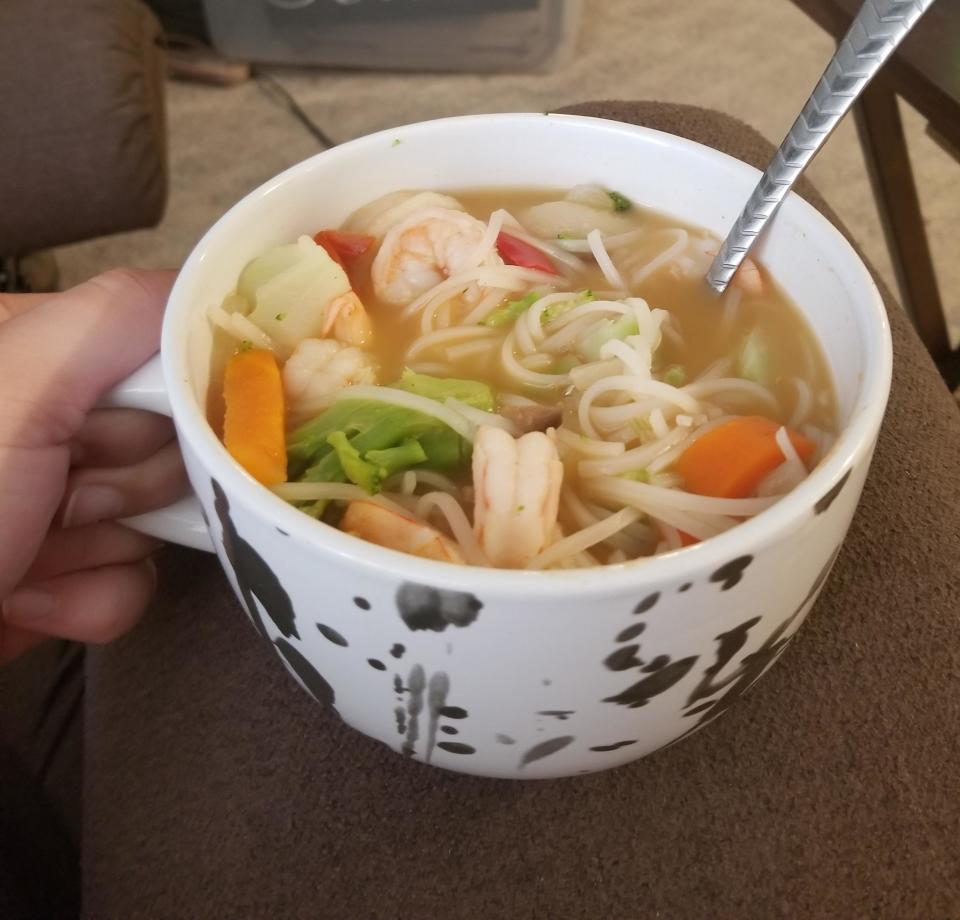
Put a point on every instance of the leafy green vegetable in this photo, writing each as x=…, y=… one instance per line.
x=636, y=475
x=675, y=375
x=604, y=332
x=272, y=263
x=753, y=361
x=565, y=306
x=472, y=392
x=288, y=289
x=380, y=436
x=511, y=311
x=393, y=459
x=446, y=451
x=358, y=470
x=620, y=202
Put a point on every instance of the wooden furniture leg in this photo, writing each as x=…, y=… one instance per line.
x=888, y=162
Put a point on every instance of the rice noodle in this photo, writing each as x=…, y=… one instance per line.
x=408, y=482
x=444, y=316
x=238, y=326
x=636, y=387
x=636, y=459
x=696, y=525
x=804, y=402
x=674, y=249
x=566, y=338
x=407, y=400
x=668, y=457
x=634, y=539
x=443, y=336
x=666, y=480
x=585, y=374
x=639, y=494
x=509, y=277
x=525, y=339
x=515, y=229
x=485, y=307
x=588, y=447
x=456, y=518
x=469, y=350
x=734, y=385
x=331, y=491
x=436, y=480
x=633, y=361
x=626, y=413
x=584, y=539
x=487, y=244
x=790, y=455
x=479, y=417
x=534, y=316
x=659, y=424
x=671, y=536
x=531, y=378
x=600, y=253
x=731, y=308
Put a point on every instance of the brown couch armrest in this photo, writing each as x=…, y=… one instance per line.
x=82, y=129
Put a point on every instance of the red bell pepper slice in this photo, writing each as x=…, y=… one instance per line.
x=516, y=252
x=343, y=246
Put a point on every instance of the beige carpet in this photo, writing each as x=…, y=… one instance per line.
x=757, y=59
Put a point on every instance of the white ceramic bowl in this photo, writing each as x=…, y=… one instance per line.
x=520, y=674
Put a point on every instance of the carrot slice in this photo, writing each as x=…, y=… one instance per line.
x=730, y=460
x=253, y=423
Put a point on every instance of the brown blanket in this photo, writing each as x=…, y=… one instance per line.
x=216, y=788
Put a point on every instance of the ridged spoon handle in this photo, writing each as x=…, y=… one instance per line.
x=877, y=30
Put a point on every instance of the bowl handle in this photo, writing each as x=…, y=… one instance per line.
x=181, y=522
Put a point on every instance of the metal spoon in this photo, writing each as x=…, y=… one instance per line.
x=877, y=30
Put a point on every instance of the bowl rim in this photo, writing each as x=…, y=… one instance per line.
x=854, y=443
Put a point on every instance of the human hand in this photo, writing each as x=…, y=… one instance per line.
x=68, y=471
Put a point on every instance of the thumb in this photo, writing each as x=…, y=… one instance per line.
x=58, y=359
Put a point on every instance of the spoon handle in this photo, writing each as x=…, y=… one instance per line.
x=877, y=30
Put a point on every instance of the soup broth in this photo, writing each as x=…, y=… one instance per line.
x=593, y=400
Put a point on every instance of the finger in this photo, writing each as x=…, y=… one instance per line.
x=67, y=351
x=58, y=358
x=97, y=605
x=15, y=304
x=103, y=494
x=120, y=437
x=89, y=547
x=14, y=641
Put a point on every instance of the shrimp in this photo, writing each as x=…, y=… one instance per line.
x=424, y=249
x=379, y=216
x=317, y=369
x=517, y=488
x=701, y=253
x=385, y=527
x=346, y=317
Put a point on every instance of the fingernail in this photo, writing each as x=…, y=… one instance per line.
x=27, y=604
x=92, y=503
